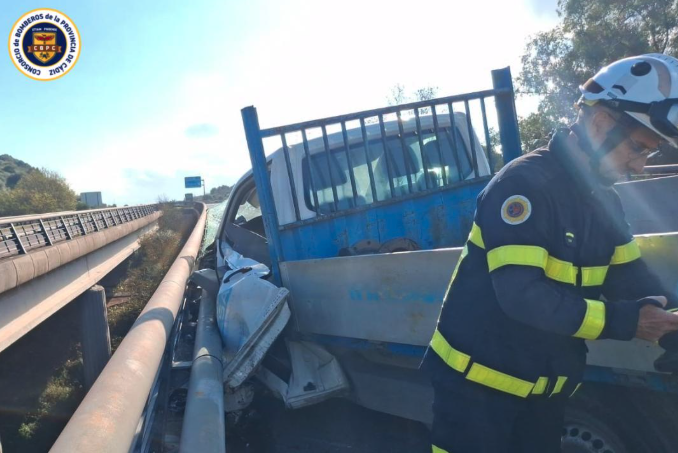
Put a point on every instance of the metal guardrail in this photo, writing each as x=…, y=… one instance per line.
x=21, y=235
x=661, y=169
x=107, y=420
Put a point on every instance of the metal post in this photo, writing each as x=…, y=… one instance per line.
x=96, y=338
x=68, y=233
x=103, y=218
x=259, y=169
x=94, y=221
x=82, y=225
x=204, y=427
x=47, y=238
x=19, y=244
x=506, y=114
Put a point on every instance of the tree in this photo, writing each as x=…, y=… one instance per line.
x=399, y=96
x=425, y=93
x=12, y=181
x=591, y=34
x=38, y=192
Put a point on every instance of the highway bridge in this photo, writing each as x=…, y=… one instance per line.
x=47, y=261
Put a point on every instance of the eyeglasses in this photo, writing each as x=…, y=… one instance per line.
x=640, y=150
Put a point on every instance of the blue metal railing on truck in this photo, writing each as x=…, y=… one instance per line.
x=503, y=95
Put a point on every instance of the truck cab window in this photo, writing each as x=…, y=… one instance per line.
x=331, y=170
x=248, y=214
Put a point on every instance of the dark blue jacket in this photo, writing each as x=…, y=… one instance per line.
x=548, y=243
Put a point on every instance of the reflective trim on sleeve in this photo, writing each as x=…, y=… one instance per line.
x=560, y=382
x=594, y=320
x=593, y=276
x=476, y=237
x=453, y=358
x=575, y=390
x=561, y=271
x=438, y=449
x=540, y=386
x=499, y=381
x=522, y=255
x=555, y=269
x=626, y=253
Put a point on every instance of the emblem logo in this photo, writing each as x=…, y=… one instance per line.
x=44, y=44
x=516, y=210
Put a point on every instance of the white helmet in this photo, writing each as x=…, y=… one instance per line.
x=644, y=87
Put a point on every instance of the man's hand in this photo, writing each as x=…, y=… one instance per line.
x=654, y=322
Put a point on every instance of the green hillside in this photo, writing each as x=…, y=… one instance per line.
x=11, y=171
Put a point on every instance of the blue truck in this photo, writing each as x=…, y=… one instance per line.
x=335, y=251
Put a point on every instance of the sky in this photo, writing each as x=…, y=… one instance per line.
x=157, y=91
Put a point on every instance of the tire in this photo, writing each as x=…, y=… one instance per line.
x=609, y=419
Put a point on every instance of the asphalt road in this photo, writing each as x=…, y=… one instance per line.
x=335, y=426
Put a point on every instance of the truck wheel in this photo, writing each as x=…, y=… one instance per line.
x=610, y=419
x=587, y=433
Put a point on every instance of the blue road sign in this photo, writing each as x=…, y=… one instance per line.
x=192, y=182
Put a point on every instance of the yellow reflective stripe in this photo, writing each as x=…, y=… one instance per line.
x=575, y=390
x=593, y=276
x=561, y=271
x=476, y=237
x=499, y=381
x=560, y=382
x=438, y=449
x=555, y=269
x=453, y=358
x=523, y=255
x=626, y=253
x=594, y=320
x=671, y=310
x=540, y=386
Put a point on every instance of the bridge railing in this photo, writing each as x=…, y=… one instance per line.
x=22, y=234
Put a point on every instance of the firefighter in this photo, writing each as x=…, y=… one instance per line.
x=550, y=262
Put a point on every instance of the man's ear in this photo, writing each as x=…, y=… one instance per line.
x=601, y=122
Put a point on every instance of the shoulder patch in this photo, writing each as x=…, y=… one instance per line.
x=516, y=210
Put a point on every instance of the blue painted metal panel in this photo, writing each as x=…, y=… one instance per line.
x=653, y=381
x=509, y=133
x=260, y=173
x=433, y=219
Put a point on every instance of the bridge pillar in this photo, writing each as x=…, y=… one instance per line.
x=96, y=338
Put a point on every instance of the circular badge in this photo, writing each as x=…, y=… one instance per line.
x=516, y=210
x=44, y=44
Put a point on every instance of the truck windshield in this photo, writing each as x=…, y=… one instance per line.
x=328, y=171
